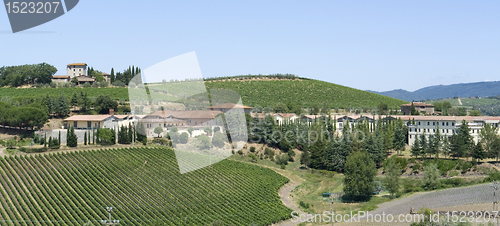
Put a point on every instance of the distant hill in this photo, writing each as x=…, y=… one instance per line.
x=266, y=91
x=482, y=89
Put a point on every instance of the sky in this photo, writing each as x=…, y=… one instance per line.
x=369, y=45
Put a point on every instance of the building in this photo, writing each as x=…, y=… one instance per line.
x=82, y=79
x=76, y=69
x=61, y=78
x=419, y=106
x=228, y=106
x=91, y=121
x=447, y=125
x=107, y=77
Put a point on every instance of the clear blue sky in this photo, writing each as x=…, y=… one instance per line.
x=377, y=45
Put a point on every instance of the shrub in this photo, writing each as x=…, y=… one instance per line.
x=252, y=149
x=269, y=152
x=253, y=158
x=240, y=152
x=106, y=136
x=219, y=140
x=291, y=154
x=304, y=205
x=183, y=138
x=282, y=159
x=33, y=150
x=431, y=175
x=203, y=142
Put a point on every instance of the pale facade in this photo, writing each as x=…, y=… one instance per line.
x=76, y=69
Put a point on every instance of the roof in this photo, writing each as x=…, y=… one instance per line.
x=418, y=104
x=60, y=76
x=286, y=115
x=93, y=118
x=84, y=78
x=121, y=116
x=229, y=106
x=446, y=118
x=195, y=114
x=105, y=74
x=77, y=64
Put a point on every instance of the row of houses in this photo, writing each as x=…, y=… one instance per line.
x=166, y=119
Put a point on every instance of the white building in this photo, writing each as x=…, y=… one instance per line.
x=447, y=125
x=76, y=69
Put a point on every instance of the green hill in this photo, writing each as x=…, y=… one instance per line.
x=304, y=92
x=142, y=184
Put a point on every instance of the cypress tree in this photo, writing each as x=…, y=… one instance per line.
x=112, y=76
x=85, y=139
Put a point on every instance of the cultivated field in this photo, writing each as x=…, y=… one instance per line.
x=143, y=184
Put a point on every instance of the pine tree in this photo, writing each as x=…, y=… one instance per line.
x=424, y=146
x=392, y=176
x=478, y=152
x=399, y=136
x=446, y=147
x=415, y=148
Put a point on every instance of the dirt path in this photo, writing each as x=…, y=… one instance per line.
x=459, y=102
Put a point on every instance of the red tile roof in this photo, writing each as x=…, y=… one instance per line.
x=77, y=64
x=229, y=106
x=418, y=104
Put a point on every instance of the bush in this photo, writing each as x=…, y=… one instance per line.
x=304, y=205
x=33, y=150
x=282, y=159
x=269, y=153
x=183, y=138
x=240, y=152
x=106, y=136
x=291, y=154
x=161, y=141
x=203, y=142
x=253, y=158
x=252, y=149
x=492, y=176
x=219, y=139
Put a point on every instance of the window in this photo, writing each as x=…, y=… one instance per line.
x=410, y=136
x=418, y=123
x=446, y=131
x=75, y=124
x=74, y=69
x=433, y=123
x=446, y=123
x=453, y=124
x=428, y=123
x=89, y=124
x=80, y=69
x=434, y=130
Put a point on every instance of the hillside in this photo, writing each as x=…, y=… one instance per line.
x=482, y=89
x=255, y=90
x=142, y=184
x=304, y=92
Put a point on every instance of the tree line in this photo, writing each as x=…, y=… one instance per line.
x=20, y=75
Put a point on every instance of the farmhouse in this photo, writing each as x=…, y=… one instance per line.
x=419, y=106
x=61, y=78
x=91, y=121
x=76, y=69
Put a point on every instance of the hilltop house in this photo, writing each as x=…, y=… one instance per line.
x=419, y=106
x=76, y=69
x=79, y=71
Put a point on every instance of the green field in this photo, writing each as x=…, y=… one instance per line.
x=143, y=184
x=305, y=93
x=117, y=93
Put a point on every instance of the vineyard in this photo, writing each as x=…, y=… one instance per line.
x=142, y=184
x=305, y=93
x=117, y=93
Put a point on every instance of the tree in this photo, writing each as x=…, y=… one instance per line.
x=74, y=100
x=219, y=139
x=399, y=136
x=183, y=138
x=112, y=76
x=158, y=130
x=487, y=135
x=446, y=147
x=190, y=131
x=284, y=145
x=84, y=102
x=104, y=103
x=431, y=175
x=392, y=178
x=305, y=158
x=415, y=148
x=424, y=146
x=71, y=138
x=382, y=108
x=203, y=142
x=208, y=129
x=106, y=136
x=413, y=110
x=174, y=129
x=85, y=138
x=359, y=173
x=478, y=152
